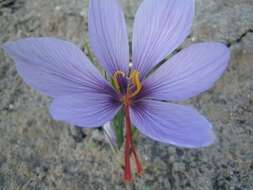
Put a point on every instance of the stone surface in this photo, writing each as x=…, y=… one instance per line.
x=38, y=153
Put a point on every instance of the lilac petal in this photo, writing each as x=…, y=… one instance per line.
x=159, y=28
x=55, y=67
x=85, y=109
x=190, y=72
x=171, y=123
x=108, y=35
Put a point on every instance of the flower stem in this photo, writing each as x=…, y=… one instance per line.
x=128, y=142
x=129, y=146
x=138, y=163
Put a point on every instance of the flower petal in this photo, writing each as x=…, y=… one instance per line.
x=85, y=110
x=108, y=35
x=190, y=72
x=159, y=28
x=171, y=123
x=55, y=67
x=110, y=135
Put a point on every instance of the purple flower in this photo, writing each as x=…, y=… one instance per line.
x=82, y=97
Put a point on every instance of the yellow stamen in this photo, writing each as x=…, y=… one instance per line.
x=135, y=79
x=115, y=80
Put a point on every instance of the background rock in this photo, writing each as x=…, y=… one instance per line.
x=39, y=153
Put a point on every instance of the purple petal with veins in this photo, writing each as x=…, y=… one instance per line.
x=108, y=34
x=173, y=124
x=160, y=26
x=55, y=67
x=188, y=73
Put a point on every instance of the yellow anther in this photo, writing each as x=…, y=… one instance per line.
x=135, y=79
x=115, y=79
x=125, y=85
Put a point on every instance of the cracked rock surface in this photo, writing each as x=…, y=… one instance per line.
x=38, y=153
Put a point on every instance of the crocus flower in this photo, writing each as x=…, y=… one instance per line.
x=83, y=97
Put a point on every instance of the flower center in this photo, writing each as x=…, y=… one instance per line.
x=130, y=85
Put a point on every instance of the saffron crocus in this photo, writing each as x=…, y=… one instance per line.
x=81, y=96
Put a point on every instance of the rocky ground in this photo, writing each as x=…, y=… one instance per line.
x=37, y=153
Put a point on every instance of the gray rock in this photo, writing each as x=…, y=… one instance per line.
x=39, y=153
